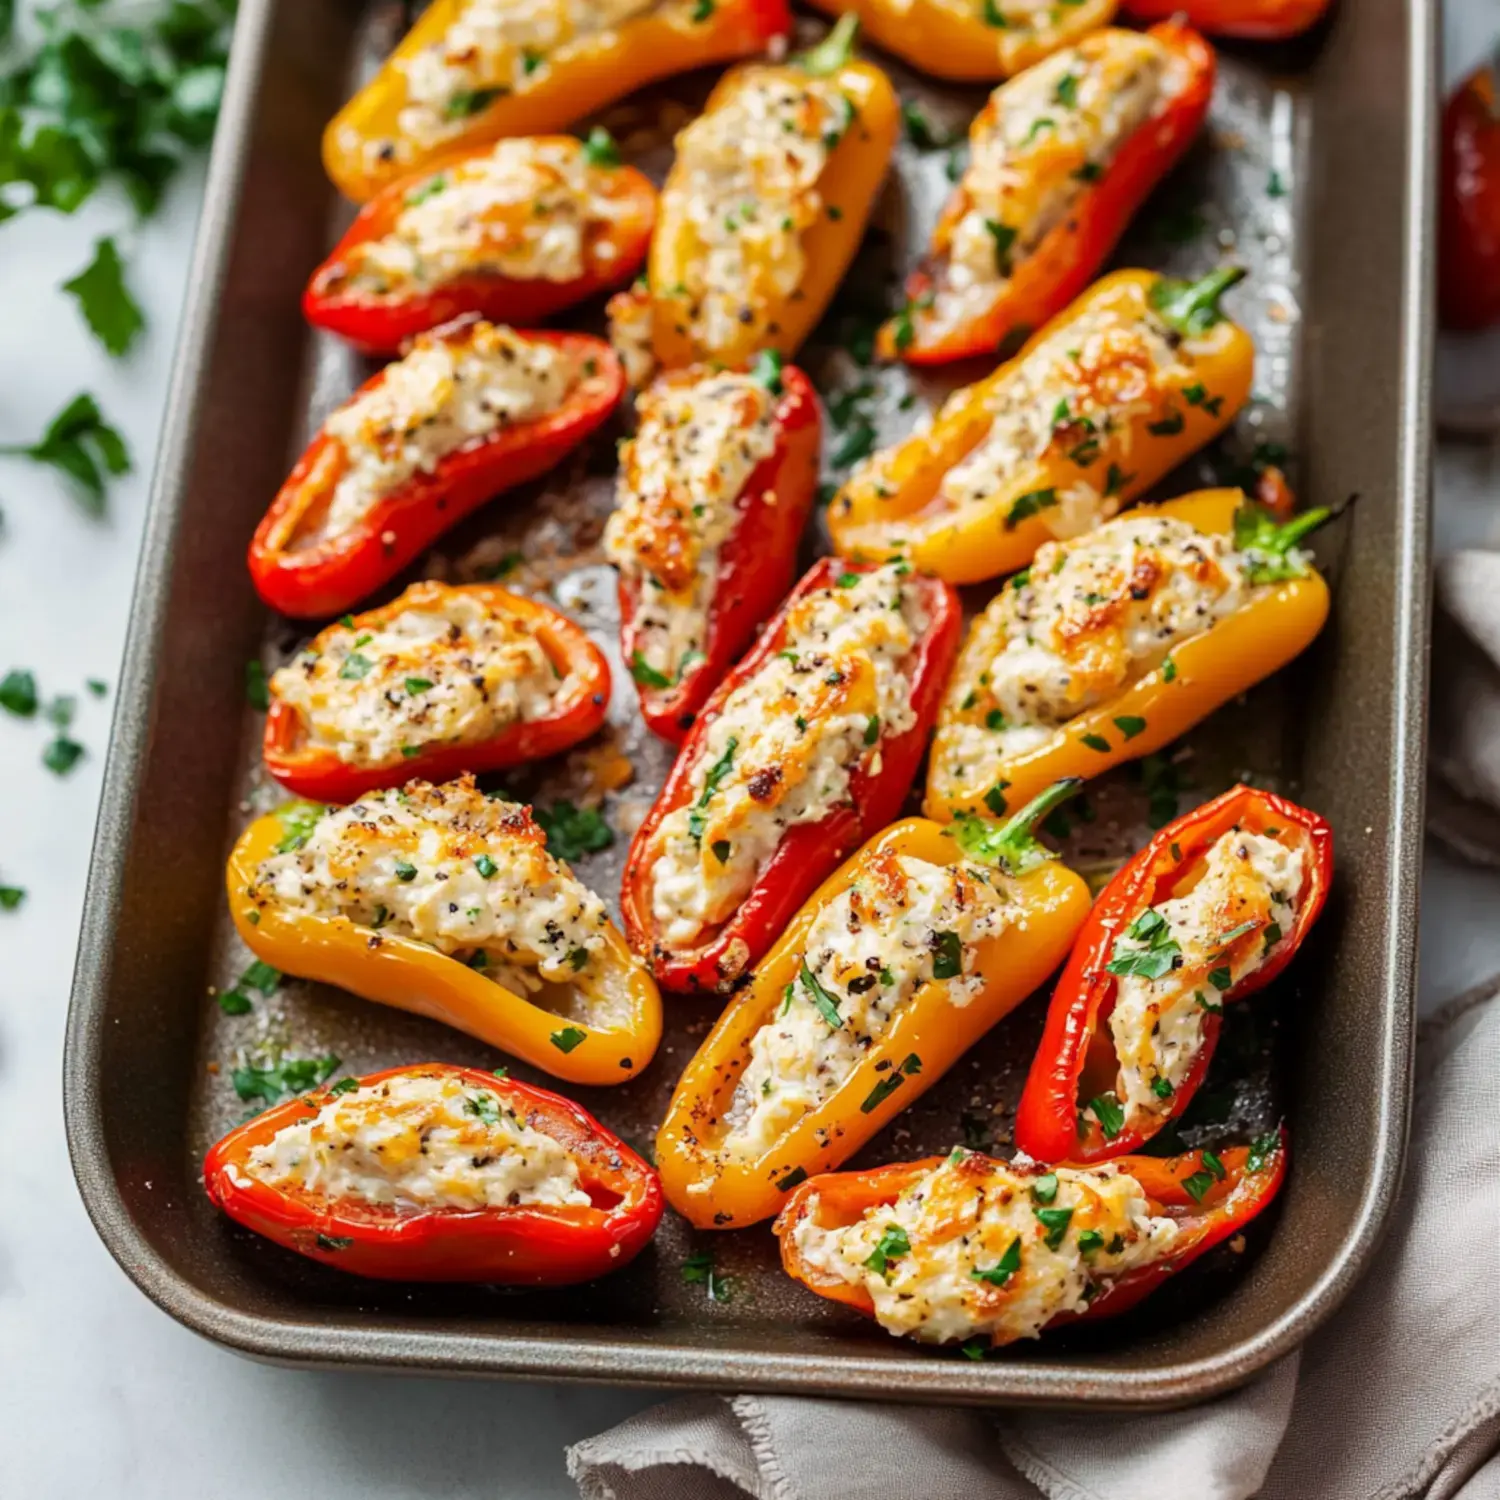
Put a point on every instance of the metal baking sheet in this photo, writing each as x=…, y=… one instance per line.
x=1314, y=174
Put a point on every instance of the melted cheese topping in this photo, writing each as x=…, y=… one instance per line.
x=745, y=187
x=1227, y=926
x=447, y=668
x=1096, y=376
x=785, y=744
x=681, y=478
x=1037, y=146
x=530, y=210
x=493, y=48
x=631, y=323
x=1086, y=620
x=1040, y=18
x=466, y=874
x=901, y=925
x=420, y=1141
x=443, y=395
x=967, y=1216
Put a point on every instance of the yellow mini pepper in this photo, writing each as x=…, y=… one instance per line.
x=413, y=976
x=974, y=41
x=1284, y=610
x=387, y=131
x=719, y=1188
x=1107, y=398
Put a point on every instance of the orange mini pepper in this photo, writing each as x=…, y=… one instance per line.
x=717, y=1187
x=828, y=220
x=1111, y=395
x=414, y=976
x=1255, y=20
x=996, y=39
x=1277, y=621
x=949, y=314
x=386, y=130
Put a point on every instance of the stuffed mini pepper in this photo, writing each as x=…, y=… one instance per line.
x=1254, y=20
x=1211, y=910
x=514, y=233
x=974, y=41
x=1469, y=202
x=714, y=491
x=806, y=749
x=445, y=902
x=1060, y=159
x=762, y=212
x=472, y=410
x=964, y=1247
x=436, y=1173
x=1111, y=395
x=896, y=966
x=440, y=681
x=1113, y=644
x=472, y=71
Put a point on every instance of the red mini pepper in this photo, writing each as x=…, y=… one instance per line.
x=319, y=773
x=1469, y=211
x=328, y=575
x=1056, y=270
x=808, y=852
x=532, y=1245
x=756, y=562
x=1058, y=1118
x=1255, y=20
x=378, y=322
x=1210, y=1196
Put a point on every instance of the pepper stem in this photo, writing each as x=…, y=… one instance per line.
x=1271, y=543
x=1013, y=845
x=833, y=52
x=1193, y=306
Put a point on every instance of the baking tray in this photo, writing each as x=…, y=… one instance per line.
x=1334, y=135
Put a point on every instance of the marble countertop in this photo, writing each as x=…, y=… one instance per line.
x=100, y=1393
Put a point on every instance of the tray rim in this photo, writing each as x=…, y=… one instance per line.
x=603, y=1360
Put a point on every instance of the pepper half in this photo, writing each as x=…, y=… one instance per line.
x=717, y=1187
x=1209, y=1200
x=809, y=851
x=415, y=976
x=1069, y=1110
x=756, y=562
x=950, y=316
x=378, y=308
x=1276, y=623
x=1469, y=206
x=824, y=223
x=308, y=575
x=320, y=772
x=1254, y=20
x=385, y=131
x=998, y=39
x=532, y=1245
x=1112, y=394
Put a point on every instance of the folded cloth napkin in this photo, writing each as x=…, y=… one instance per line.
x=1398, y=1395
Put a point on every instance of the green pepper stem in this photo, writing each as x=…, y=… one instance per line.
x=1022, y=824
x=1193, y=306
x=1013, y=845
x=1292, y=532
x=833, y=52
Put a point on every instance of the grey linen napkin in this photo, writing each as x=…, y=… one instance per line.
x=1399, y=1395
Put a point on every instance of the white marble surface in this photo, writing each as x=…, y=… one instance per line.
x=100, y=1394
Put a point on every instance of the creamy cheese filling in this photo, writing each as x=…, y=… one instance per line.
x=631, y=334
x=1087, y=619
x=466, y=874
x=975, y=1247
x=1087, y=382
x=785, y=744
x=494, y=48
x=903, y=924
x=681, y=478
x=1037, y=147
x=527, y=210
x=444, y=394
x=745, y=187
x=1186, y=953
x=1039, y=17
x=445, y=669
x=420, y=1141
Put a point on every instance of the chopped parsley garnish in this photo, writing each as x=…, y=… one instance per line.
x=722, y=849
x=766, y=371
x=113, y=315
x=61, y=755
x=647, y=675
x=345, y=1085
x=405, y=872
x=1089, y=1240
x=1105, y=1108
x=18, y=694
x=1168, y=426
x=415, y=685
x=573, y=831
x=11, y=897
x=920, y=130
x=1066, y=92
x=1272, y=937
x=826, y=1005
x=872, y=729
x=1055, y=1222
x=1032, y=503
x=1115, y=480
x=846, y=580
x=1044, y=1188
x=355, y=667
x=334, y=1242
x=567, y=1039
x=600, y=150
x=1204, y=1003
x=892, y=1244
x=1197, y=1185
x=992, y=15
x=1168, y=670
x=1162, y=1087
x=1221, y=978
x=429, y=189
x=1129, y=725
x=994, y=799
x=484, y=1107
x=1211, y=1160
x=1004, y=1268
x=1095, y=742
x=792, y=1178
x=79, y=444
x=1262, y=1149
x=297, y=819
x=1004, y=237
x=467, y=103
x=292, y=1075
x=716, y=774
x=948, y=955
x=1146, y=948
x=882, y=1091
x=486, y=866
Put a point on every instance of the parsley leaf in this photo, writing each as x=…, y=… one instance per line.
x=600, y=150
x=1029, y=504
x=573, y=831
x=1004, y=1268
x=1106, y=1110
x=827, y=1005
x=105, y=301
x=1146, y=948
x=83, y=447
x=1055, y=1222
x=292, y=1075
x=18, y=694
x=766, y=371
x=892, y=1244
x=568, y=1038
x=11, y=896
